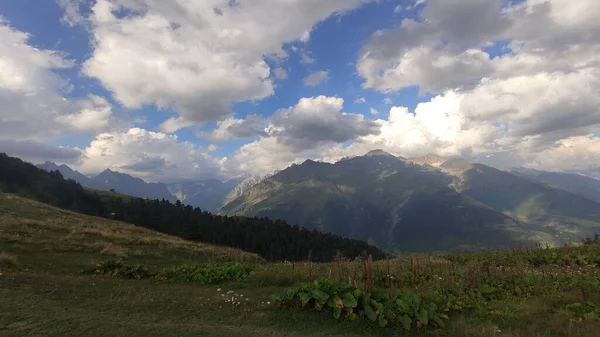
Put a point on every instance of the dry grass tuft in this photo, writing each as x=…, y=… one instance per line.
x=7, y=261
x=115, y=250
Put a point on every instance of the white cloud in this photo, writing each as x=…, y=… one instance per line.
x=32, y=102
x=387, y=100
x=72, y=15
x=95, y=115
x=528, y=103
x=315, y=78
x=574, y=154
x=233, y=128
x=196, y=57
x=374, y=112
x=307, y=59
x=306, y=130
x=152, y=156
x=360, y=100
x=281, y=73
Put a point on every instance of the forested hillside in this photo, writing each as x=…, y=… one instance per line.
x=273, y=240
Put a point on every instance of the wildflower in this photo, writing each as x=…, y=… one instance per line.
x=268, y=303
x=219, y=289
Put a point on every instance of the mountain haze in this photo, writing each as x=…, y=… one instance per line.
x=574, y=183
x=126, y=184
x=209, y=194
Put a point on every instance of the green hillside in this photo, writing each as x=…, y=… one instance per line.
x=544, y=210
x=56, y=279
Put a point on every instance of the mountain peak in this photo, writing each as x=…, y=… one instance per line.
x=429, y=159
x=456, y=164
x=378, y=152
x=309, y=162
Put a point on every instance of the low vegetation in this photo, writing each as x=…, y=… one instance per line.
x=493, y=287
x=143, y=283
x=207, y=273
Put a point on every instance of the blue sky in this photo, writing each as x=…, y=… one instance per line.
x=334, y=45
x=194, y=84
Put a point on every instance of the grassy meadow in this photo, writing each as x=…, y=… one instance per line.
x=66, y=274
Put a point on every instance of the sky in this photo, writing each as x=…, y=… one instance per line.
x=174, y=90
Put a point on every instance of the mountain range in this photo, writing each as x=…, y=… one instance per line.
x=421, y=204
x=209, y=194
x=400, y=204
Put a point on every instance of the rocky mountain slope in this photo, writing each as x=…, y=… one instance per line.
x=420, y=204
x=574, y=183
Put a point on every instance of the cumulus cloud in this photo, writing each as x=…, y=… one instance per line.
x=529, y=102
x=315, y=78
x=579, y=154
x=374, y=112
x=95, y=115
x=233, y=128
x=30, y=90
x=360, y=100
x=306, y=130
x=32, y=93
x=197, y=58
x=153, y=156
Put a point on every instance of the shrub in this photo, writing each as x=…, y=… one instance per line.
x=116, y=267
x=403, y=308
x=584, y=310
x=206, y=273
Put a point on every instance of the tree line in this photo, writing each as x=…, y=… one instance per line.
x=273, y=240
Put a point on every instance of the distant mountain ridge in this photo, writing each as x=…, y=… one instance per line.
x=206, y=194
x=574, y=183
x=209, y=194
x=242, y=187
x=420, y=204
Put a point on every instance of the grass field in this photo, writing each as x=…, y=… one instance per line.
x=42, y=292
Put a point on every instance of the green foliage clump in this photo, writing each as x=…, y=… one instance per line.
x=206, y=273
x=587, y=310
x=343, y=300
x=116, y=267
x=586, y=254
